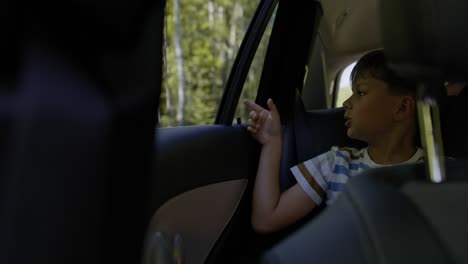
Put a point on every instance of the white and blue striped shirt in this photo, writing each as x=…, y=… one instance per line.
x=324, y=177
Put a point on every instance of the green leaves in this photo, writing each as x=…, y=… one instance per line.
x=211, y=32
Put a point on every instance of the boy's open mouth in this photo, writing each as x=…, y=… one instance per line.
x=348, y=123
x=348, y=120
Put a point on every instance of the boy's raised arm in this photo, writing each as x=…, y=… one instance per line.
x=271, y=209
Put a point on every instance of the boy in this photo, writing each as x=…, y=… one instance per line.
x=381, y=111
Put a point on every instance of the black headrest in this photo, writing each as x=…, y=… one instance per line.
x=453, y=130
x=424, y=39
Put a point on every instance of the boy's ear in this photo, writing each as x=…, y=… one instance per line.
x=405, y=108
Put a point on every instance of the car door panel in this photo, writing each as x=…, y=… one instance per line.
x=191, y=157
x=198, y=217
x=204, y=174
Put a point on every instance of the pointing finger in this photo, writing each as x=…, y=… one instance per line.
x=253, y=106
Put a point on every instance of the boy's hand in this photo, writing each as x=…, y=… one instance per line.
x=264, y=125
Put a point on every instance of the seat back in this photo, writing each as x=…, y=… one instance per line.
x=388, y=215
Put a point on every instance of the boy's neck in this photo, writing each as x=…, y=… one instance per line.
x=388, y=153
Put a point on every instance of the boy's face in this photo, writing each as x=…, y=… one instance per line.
x=370, y=109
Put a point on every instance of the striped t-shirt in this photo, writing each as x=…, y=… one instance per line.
x=324, y=177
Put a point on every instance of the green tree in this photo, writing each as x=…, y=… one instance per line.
x=202, y=40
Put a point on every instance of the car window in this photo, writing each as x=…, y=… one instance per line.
x=201, y=42
x=343, y=90
x=249, y=91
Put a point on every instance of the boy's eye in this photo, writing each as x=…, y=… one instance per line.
x=361, y=93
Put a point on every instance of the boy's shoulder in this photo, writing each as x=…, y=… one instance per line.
x=352, y=153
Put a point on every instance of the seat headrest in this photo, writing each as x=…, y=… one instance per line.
x=424, y=40
x=453, y=131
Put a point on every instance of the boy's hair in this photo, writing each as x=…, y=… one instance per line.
x=374, y=64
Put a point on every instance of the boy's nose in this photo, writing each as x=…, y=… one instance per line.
x=347, y=103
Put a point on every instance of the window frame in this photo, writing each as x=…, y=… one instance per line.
x=243, y=61
x=336, y=85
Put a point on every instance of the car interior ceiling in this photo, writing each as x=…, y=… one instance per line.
x=348, y=29
x=395, y=215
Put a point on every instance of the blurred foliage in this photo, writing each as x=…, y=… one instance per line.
x=210, y=33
